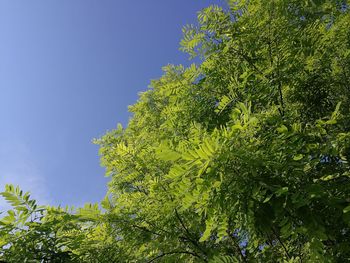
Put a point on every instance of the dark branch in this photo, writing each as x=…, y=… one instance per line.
x=280, y=241
x=189, y=235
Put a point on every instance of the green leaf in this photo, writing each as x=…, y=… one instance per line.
x=298, y=157
x=268, y=198
x=209, y=228
x=282, y=129
x=346, y=209
x=281, y=191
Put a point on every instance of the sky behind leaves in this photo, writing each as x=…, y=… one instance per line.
x=68, y=71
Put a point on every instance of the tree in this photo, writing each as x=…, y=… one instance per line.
x=244, y=156
x=32, y=233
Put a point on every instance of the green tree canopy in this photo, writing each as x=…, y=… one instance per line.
x=242, y=157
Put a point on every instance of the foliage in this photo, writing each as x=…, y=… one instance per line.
x=31, y=233
x=241, y=158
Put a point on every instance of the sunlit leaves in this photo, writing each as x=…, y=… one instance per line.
x=249, y=144
x=29, y=233
x=240, y=158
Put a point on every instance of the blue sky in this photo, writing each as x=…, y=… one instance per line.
x=68, y=71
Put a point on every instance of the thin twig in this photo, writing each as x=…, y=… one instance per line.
x=189, y=235
x=236, y=245
x=280, y=241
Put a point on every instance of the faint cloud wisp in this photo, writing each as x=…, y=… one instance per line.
x=18, y=167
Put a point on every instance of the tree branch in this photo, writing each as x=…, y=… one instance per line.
x=280, y=241
x=189, y=235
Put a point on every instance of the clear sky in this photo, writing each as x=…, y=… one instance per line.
x=68, y=71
